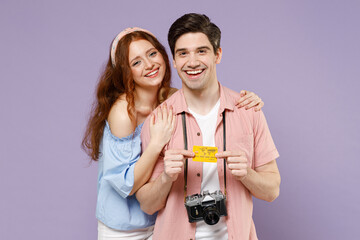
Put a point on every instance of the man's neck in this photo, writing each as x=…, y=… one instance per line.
x=202, y=101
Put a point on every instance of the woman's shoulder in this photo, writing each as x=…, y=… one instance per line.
x=119, y=121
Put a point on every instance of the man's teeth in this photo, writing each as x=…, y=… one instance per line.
x=194, y=72
x=152, y=73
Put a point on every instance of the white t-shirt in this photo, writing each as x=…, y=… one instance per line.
x=210, y=176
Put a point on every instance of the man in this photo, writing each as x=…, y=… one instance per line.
x=251, y=168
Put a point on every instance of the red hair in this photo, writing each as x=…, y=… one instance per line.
x=115, y=81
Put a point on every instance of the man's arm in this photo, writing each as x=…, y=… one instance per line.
x=263, y=182
x=152, y=196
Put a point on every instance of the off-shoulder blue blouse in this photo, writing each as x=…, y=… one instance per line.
x=115, y=208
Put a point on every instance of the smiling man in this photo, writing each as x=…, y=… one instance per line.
x=207, y=117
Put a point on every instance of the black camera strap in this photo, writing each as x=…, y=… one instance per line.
x=186, y=148
x=224, y=147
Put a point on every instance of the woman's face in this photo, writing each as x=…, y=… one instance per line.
x=146, y=63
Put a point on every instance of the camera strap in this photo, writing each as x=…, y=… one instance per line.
x=186, y=148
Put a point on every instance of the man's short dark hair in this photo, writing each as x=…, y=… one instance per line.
x=192, y=23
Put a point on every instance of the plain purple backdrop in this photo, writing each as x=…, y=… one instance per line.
x=301, y=57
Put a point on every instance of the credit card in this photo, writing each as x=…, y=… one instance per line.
x=205, y=154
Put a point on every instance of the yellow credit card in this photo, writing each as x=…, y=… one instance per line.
x=205, y=154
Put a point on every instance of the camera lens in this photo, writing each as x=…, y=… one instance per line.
x=211, y=215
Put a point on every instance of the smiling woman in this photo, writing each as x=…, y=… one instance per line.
x=135, y=81
x=148, y=67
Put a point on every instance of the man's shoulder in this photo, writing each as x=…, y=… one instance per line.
x=247, y=115
x=231, y=94
x=173, y=98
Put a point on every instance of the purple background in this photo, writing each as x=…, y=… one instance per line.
x=301, y=57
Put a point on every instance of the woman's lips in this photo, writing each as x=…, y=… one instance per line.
x=153, y=73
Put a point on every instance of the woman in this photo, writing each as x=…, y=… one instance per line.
x=135, y=81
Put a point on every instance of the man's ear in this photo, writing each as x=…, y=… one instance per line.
x=174, y=64
x=218, y=55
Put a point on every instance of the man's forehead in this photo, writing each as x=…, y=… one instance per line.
x=192, y=41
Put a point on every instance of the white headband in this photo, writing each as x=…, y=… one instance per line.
x=121, y=35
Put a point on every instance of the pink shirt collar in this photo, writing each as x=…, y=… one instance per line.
x=225, y=102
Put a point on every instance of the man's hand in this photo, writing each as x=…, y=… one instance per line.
x=174, y=161
x=236, y=162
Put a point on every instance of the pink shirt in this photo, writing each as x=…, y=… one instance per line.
x=246, y=130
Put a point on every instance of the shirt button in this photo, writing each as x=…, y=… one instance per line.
x=198, y=134
x=198, y=174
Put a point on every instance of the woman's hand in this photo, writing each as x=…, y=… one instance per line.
x=249, y=100
x=162, y=127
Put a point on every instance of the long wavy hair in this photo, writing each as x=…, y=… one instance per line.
x=115, y=81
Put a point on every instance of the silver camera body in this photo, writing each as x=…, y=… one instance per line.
x=206, y=206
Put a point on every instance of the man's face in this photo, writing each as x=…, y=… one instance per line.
x=195, y=61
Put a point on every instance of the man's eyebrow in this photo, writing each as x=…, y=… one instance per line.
x=204, y=47
x=185, y=49
x=180, y=50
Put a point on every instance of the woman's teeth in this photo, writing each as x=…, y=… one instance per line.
x=152, y=73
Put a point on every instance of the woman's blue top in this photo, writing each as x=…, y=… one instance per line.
x=115, y=208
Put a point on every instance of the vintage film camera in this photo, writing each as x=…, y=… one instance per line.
x=206, y=206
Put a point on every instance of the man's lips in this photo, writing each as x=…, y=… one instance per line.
x=194, y=73
x=153, y=73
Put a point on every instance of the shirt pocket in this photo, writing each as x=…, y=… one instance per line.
x=243, y=142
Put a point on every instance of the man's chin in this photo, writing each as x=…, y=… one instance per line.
x=193, y=86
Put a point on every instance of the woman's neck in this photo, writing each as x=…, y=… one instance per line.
x=145, y=101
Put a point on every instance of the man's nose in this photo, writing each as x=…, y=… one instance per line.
x=193, y=61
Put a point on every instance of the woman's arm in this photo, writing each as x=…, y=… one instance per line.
x=160, y=132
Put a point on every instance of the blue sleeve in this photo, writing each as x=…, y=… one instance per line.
x=118, y=158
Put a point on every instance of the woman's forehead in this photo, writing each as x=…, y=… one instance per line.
x=139, y=47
